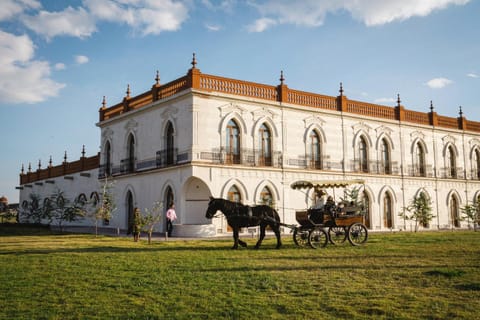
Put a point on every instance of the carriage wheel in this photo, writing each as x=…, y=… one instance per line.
x=337, y=234
x=300, y=237
x=318, y=238
x=357, y=234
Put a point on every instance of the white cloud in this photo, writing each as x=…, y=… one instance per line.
x=12, y=8
x=384, y=100
x=472, y=75
x=23, y=79
x=312, y=13
x=261, y=25
x=81, y=59
x=438, y=83
x=147, y=16
x=60, y=66
x=225, y=5
x=378, y=12
x=212, y=27
x=69, y=22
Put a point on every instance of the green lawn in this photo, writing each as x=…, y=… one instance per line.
x=434, y=275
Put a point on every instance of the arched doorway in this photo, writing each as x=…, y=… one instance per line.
x=170, y=144
x=129, y=210
x=130, y=165
x=387, y=211
x=363, y=155
x=265, y=146
x=366, y=209
x=454, y=211
x=315, y=151
x=232, y=143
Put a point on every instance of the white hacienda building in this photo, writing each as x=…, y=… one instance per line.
x=203, y=135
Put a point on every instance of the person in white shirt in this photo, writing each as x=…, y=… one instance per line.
x=171, y=216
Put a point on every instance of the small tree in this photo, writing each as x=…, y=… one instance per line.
x=31, y=209
x=354, y=198
x=8, y=215
x=104, y=208
x=419, y=210
x=472, y=213
x=151, y=218
x=60, y=209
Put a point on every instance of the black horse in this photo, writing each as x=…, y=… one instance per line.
x=241, y=216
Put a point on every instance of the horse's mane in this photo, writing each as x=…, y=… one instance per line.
x=230, y=205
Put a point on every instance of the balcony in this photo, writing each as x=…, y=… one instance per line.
x=246, y=157
x=163, y=158
x=451, y=173
x=416, y=171
x=308, y=162
x=475, y=174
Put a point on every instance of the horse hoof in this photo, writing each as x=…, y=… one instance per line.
x=244, y=245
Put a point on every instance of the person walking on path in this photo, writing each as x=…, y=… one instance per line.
x=171, y=216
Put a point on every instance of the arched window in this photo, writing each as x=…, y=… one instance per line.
x=232, y=143
x=108, y=159
x=95, y=198
x=130, y=161
x=265, y=144
x=363, y=155
x=476, y=164
x=169, y=143
x=82, y=199
x=454, y=212
x=129, y=210
x=387, y=211
x=234, y=194
x=315, y=151
x=419, y=164
x=266, y=197
x=451, y=163
x=385, y=165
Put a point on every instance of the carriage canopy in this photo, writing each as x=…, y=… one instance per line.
x=321, y=184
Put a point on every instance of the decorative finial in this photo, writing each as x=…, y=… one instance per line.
x=83, y=151
x=23, y=170
x=431, y=106
x=460, y=112
x=50, y=162
x=104, y=103
x=194, y=61
x=157, y=78
x=39, y=164
x=398, y=100
x=128, y=91
x=29, y=167
x=341, y=89
x=65, y=157
x=282, y=79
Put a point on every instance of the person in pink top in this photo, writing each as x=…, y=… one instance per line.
x=171, y=216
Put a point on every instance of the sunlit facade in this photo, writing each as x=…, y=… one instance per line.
x=203, y=135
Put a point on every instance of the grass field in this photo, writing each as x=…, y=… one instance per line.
x=434, y=275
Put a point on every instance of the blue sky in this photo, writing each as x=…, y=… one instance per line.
x=59, y=58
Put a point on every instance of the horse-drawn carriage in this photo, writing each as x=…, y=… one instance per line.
x=343, y=222
x=331, y=222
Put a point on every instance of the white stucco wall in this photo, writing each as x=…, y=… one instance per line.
x=199, y=120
